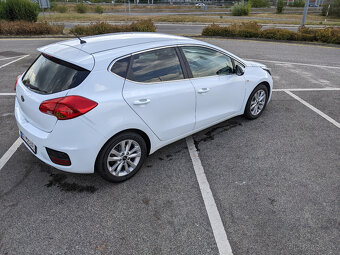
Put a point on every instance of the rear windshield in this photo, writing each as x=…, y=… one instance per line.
x=49, y=75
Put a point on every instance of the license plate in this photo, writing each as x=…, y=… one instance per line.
x=30, y=144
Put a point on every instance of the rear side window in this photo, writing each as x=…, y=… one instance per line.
x=156, y=66
x=49, y=75
x=120, y=67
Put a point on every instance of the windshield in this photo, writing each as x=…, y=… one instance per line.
x=49, y=75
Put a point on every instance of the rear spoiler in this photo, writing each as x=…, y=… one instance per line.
x=69, y=54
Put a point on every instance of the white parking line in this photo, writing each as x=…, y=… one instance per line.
x=308, y=89
x=293, y=63
x=220, y=235
x=10, y=57
x=13, y=61
x=8, y=154
x=337, y=124
x=7, y=94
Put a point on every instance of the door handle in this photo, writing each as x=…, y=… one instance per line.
x=203, y=90
x=142, y=101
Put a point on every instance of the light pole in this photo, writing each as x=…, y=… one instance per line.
x=305, y=10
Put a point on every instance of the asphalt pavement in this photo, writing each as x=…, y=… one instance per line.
x=275, y=180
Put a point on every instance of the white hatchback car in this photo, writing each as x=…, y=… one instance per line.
x=104, y=104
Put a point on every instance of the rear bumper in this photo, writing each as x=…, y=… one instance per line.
x=75, y=137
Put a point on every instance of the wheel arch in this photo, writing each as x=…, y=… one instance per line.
x=138, y=131
x=262, y=82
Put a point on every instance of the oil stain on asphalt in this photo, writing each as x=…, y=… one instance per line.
x=59, y=180
x=210, y=135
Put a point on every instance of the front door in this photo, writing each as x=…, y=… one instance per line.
x=219, y=91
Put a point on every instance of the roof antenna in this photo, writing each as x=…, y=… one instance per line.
x=81, y=40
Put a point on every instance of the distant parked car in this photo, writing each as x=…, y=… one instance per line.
x=200, y=5
x=105, y=103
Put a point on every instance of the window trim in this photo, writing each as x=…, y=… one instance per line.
x=180, y=56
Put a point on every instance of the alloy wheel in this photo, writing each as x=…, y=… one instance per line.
x=124, y=158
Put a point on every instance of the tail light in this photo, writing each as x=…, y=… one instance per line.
x=16, y=82
x=69, y=107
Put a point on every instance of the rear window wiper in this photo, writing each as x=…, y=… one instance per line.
x=35, y=88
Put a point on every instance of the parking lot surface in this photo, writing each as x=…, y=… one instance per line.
x=274, y=181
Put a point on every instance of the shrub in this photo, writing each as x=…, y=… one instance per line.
x=280, y=6
x=28, y=28
x=240, y=9
x=253, y=30
x=60, y=8
x=99, y=9
x=334, y=9
x=103, y=28
x=19, y=10
x=278, y=34
x=306, y=34
x=297, y=3
x=259, y=3
x=81, y=8
x=324, y=9
x=328, y=35
x=244, y=29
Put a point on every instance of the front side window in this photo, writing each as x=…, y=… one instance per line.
x=49, y=75
x=207, y=62
x=156, y=66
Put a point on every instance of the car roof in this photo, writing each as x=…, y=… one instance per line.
x=82, y=54
x=98, y=43
x=120, y=43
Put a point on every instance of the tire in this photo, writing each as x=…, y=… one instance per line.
x=115, y=164
x=253, y=112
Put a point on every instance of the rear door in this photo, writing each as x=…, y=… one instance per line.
x=157, y=90
x=47, y=78
x=219, y=91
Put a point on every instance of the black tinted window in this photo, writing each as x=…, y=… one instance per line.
x=155, y=66
x=120, y=67
x=207, y=62
x=50, y=75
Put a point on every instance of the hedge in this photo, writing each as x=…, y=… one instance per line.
x=254, y=30
x=28, y=28
x=103, y=28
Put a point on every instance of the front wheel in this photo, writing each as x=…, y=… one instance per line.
x=256, y=102
x=121, y=157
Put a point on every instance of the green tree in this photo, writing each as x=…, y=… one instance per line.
x=280, y=6
x=19, y=10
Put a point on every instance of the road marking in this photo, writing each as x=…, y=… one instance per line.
x=294, y=63
x=220, y=235
x=13, y=61
x=10, y=57
x=337, y=124
x=7, y=94
x=9, y=153
x=308, y=89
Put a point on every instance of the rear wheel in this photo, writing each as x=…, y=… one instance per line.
x=256, y=102
x=121, y=157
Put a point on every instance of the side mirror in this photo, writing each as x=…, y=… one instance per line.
x=238, y=70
